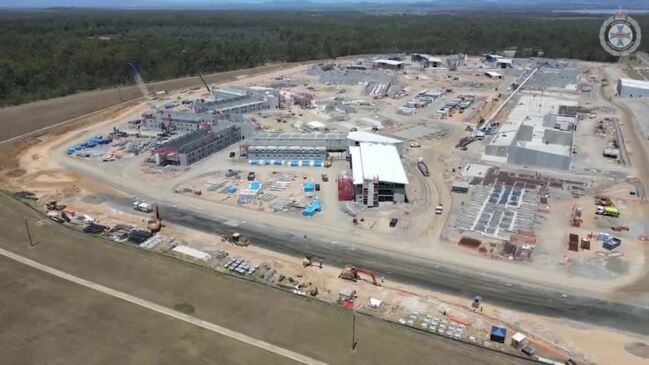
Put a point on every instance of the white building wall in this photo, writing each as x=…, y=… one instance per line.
x=633, y=92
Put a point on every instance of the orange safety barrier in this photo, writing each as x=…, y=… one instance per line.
x=459, y=320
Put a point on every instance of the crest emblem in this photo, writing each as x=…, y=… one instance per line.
x=620, y=35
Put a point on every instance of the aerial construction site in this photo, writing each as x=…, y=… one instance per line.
x=441, y=193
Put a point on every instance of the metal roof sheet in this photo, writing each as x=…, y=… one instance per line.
x=371, y=160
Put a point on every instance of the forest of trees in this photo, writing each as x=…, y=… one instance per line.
x=57, y=52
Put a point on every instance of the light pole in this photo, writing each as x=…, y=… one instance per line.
x=29, y=235
x=354, y=343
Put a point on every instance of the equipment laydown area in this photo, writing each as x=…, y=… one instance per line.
x=48, y=318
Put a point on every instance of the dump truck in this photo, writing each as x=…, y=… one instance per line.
x=608, y=211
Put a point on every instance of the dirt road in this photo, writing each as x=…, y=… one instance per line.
x=640, y=159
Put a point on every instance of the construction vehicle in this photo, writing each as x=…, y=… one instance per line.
x=608, y=211
x=155, y=223
x=143, y=206
x=325, y=177
x=477, y=301
x=352, y=273
x=439, y=209
x=603, y=201
x=329, y=161
x=312, y=261
x=236, y=239
x=53, y=205
x=620, y=228
x=421, y=165
x=576, y=219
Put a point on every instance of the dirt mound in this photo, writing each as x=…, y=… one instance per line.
x=638, y=349
x=92, y=199
x=15, y=173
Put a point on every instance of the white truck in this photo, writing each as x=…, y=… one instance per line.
x=439, y=209
x=143, y=206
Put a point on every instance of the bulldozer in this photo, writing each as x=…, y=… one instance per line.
x=352, y=273
x=312, y=261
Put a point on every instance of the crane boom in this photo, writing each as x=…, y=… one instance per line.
x=204, y=83
x=140, y=84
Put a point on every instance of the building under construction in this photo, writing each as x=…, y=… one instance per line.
x=378, y=174
x=239, y=101
x=178, y=121
x=535, y=134
x=426, y=60
x=197, y=145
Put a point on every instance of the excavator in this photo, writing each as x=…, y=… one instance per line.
x=312, y=261
x=155, y=223
x=352, y=273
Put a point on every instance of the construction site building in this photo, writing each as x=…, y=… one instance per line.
x=505, y=63
x=197, y=145
x=355, y=138
x=629, y=88
x=239, y=101
x=378, y=174
x=287, y=153
x=179, y=121
x=279, y=147
x=534, y=135
x=493, y=75
x=389, y=64
x=426, y=60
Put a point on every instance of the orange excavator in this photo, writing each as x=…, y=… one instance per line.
x=352, y=273
x=155, y=223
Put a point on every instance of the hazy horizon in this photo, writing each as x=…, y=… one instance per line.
x=297, y=4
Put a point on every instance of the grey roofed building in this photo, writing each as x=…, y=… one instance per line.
x=197, y=145
x=529, y=136
x=181, y=121
x=286, y=153
x=333, y=142
x=239, y=101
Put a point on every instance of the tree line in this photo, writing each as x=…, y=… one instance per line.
x=62, y=51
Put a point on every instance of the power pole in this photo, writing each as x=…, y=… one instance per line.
x=29, y=235
x=354, y=343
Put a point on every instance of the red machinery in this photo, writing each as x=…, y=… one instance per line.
x=352, y=273
x=155, y=223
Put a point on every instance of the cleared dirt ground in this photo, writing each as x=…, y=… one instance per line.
x=308, y=327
